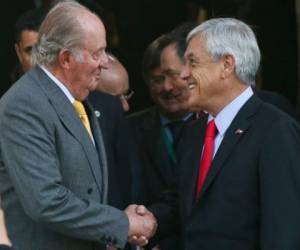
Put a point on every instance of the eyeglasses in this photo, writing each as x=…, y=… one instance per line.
x=128, y=94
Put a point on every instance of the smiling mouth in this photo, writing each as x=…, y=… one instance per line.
x=191, y=85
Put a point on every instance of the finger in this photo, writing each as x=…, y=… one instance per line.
x=130, y=209
x=142, y=241
x=139, y=241
x=141, y=210
x=134, y=238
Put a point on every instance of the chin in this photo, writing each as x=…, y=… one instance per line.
x=171, y=109
x=92, y=86
x=193, y=106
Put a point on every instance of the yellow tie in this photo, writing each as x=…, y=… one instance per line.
x=83, y=116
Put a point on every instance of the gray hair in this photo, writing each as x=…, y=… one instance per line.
x=60, y=29
x=229, y=36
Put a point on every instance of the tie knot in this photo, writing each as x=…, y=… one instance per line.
x=79, y=108
x=211, y=129
x=175, y=125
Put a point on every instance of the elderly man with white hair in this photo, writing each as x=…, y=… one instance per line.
x=239, y=183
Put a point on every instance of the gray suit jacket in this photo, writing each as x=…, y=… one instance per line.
x=53, y=178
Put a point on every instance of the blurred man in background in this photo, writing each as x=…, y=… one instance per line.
x=26, y=36
x=157, y=130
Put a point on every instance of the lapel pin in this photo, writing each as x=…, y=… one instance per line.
x=239, y=131
x=97, y=113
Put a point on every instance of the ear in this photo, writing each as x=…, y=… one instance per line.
x=65, y=58
x=228, y=66
x=17, y=49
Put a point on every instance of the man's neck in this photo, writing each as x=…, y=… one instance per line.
x=227, y=98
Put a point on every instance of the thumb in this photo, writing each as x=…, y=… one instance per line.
x=141, y=210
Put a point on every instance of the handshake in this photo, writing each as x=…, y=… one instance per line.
x=142, y=224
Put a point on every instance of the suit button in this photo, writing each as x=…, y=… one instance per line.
x=90, y=190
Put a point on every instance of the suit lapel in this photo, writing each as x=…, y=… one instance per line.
x=70, y=120
x=99, y=143
x=239, y=126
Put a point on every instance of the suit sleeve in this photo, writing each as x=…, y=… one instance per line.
x=166, y=213
x=279, y=171
x=29, y=152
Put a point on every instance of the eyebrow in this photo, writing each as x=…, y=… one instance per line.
x=192, y=57
x=168, y=71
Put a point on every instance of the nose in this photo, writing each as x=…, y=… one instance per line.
x=185, y=73
x=168, y=85
x=104, y=60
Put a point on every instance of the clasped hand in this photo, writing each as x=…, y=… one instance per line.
x=142, y=224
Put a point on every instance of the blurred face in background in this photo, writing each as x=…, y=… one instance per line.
x=23, y=48
x=114, y=80
x=168, y=90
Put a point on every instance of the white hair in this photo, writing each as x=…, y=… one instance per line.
x=60, y=29
x=229, y=36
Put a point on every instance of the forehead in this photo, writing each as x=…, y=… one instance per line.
x=169, y=57
x=29, y=36
x=168, y=51
x=95, y=35
x=196, y=47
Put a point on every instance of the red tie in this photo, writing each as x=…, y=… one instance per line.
x=207, y=155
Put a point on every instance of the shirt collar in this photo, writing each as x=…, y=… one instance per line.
x=63, y=88
x=227, y=114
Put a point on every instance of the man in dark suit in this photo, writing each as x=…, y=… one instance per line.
x=157, y=130
x=26, y=36
x=53, y=163
x=239, y=176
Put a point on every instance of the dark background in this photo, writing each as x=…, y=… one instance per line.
x=133, y=24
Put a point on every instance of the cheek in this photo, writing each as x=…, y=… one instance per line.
x=88, y=68
x=155, y=92
x=201, y=75
x=27, y=56
x=94, y=66
x=196, y=74
x=154, y=95
x=180, y=84
x=88, y=72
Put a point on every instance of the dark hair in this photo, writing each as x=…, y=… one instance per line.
x=30, y=20
x=177, y=36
